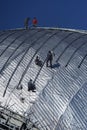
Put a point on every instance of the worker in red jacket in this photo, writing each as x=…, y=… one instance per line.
x=34, y=22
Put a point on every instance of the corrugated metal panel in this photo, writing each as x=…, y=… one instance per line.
x=56, y=88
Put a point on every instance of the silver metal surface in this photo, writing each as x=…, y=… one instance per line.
x=60, y=100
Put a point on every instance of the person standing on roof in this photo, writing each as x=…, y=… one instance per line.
x=49, y=58
x=34, y=22
x=26, y=22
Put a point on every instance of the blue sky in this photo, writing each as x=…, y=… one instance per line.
x=50, y=13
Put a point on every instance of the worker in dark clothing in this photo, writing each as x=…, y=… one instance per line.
x=34, y=22
x=26, y=22
x=38, y=61
x=49, y=59
x=31, y=85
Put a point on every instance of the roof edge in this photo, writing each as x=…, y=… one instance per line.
x=65, y=29
x=50, y=28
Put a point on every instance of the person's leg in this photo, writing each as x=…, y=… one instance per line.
x=36, y=63
x=40, y=62
x=26, y=26
x=33, y=25
x=47, y=63
x=51, y=63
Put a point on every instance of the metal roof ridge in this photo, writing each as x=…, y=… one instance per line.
x=65, y=29
x=52, y=28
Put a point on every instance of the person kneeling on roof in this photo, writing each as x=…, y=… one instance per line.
x=31, y=85
x=38, y=61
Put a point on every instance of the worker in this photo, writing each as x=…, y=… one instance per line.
x=31, y=85
x=38, y=61
x=49, y=58
x=26, y=22
x=34, y=22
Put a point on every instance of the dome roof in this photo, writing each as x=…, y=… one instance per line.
x=60, y=99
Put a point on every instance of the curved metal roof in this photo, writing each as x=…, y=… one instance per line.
x=60, y=100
